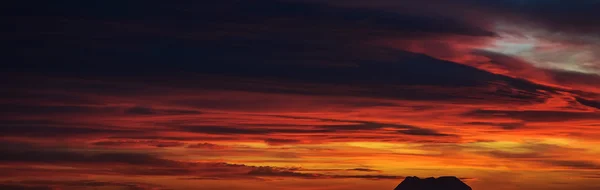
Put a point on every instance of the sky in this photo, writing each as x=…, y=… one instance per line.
x=299, y=94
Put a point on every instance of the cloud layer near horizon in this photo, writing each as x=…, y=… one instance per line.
x=300, y=92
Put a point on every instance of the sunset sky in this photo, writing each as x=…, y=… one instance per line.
x=299, y=94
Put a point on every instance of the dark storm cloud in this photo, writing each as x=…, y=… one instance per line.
x=170, y=137
x=6, y=144
x=243, y=130
x=589, y=103
x=140, y=110
x=50, y=109
x=51, y=129
x=62, y=156
x=356, y=126
x=156, y=171
x=403, y=129
x=373, y=78
x=548, y=14
x=51, y=185
x=209, y=33
x=308, y=129
x=286, y=29
x=533, y=116
x=160, y=144
x=31, y=87
x=275, y=141
x=143, y=110
x=361, y=126
x=24, y=187
x=289, y=42
x=57, y=98
x=422, y=132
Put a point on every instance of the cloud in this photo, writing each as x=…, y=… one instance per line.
x=335, y=128
x=573, y=164
x=589, y=103
x=223, y=130
x=412, y=84
x=505, y=126
x=161, y=144
x=244, y=130
x=422, y=132
x=298, y=46
x=146, y=164
x=373, y=177
x=141, y=110
x=82, y=28
x=24, y=187
x=51, y=128
x=274, y=172
x=275, y=142
x=512, y=65
x=535, y=115
x=55, y=109
x=363, y=170
x=549, y=156
x=207, y=146
x=79, y=184
x=63, y=156
x=530, y=30
x=371, y=126
x=544, y=13
x=266, y=171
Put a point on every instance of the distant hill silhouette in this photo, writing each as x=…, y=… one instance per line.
x=441, y=183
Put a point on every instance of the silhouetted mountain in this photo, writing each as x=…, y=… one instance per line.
x=441, y=183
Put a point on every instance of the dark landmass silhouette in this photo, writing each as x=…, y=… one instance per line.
x=441, y=183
